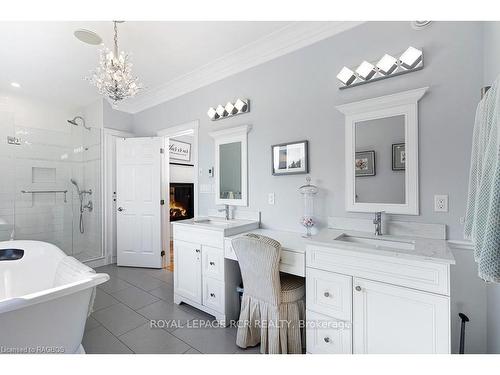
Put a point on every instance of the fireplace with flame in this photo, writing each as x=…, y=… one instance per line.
x=181, y=201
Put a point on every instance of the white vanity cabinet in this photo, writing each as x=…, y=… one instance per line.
x=187, y=271
x=394, y=319
x=368, y=303
x=202, y=277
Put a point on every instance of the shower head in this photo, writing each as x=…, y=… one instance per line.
x=73, y=122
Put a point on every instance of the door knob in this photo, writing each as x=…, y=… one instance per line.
x=121, y=209
x=198, y=250
x=326, y=294
x=358, y=288
x=326, y=339
x=212, y=263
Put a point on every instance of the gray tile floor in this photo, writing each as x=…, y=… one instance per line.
x=124, y=306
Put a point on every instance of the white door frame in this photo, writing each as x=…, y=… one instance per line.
x=109, y=173
x=188, y=128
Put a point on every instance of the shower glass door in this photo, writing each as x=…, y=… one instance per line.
x=37, y=199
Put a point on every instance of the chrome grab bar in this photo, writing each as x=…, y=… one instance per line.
x=45, y=191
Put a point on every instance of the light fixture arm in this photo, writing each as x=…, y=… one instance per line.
x=115, y=23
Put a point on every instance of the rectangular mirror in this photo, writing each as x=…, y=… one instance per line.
x=381, y=153
x=379, y=163
x=230, y=172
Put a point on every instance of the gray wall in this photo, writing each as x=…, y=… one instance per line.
x=294, y=98
x=117, y=120
x=491, y=72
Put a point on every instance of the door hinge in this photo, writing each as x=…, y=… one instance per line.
x=162, y=150
x=162, y=202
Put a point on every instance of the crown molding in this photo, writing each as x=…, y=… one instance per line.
x=281, y=42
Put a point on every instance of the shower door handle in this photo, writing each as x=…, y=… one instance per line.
x=121, y=209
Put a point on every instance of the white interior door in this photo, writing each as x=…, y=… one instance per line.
x=138, y=195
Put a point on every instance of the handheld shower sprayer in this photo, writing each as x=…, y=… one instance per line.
x=81, y=195
x=76, y=185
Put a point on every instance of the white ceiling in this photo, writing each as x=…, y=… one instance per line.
x=170, y=58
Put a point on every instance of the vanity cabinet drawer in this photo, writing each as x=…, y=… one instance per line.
x=325, y=335
x=199, y=235
x=412, y=273
x=213, y=294
x=329, y=293
x=213, y=262
x=292, y=262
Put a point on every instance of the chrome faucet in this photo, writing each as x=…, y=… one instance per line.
x=378, y=223
x=226, y=211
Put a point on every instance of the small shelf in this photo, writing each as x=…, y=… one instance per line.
x=45, y=192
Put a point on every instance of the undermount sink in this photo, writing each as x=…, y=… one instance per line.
x=378, y=243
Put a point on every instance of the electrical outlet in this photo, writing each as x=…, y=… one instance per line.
x=441, y=203
x=270, y=198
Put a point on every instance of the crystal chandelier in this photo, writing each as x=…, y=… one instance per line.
x=113, y=77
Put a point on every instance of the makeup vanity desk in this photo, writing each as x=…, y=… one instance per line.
x=293, y=252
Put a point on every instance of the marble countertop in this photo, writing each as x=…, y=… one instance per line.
x=227, y=227
x=424, y=248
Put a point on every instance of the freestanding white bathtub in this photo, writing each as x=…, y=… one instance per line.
x=44, y=298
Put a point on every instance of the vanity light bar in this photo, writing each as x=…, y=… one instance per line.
x=388, y=66
x=239, y=107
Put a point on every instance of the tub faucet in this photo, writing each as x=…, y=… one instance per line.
x=226, y=211
x=378, y=223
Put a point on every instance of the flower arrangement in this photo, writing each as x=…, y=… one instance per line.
x=307, y=222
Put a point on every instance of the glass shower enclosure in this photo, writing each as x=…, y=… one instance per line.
x=50, y=186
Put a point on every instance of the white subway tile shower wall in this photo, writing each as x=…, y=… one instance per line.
x=50, y=154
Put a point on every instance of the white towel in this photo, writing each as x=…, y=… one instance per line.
x=482, y=219
x=70, y=270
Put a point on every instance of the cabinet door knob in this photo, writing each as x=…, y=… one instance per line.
x=326, y=294
x=197, y=250
x=358, y=288
x=212, y=295
x=212, y=263
x=327, y=339
x=121, y=209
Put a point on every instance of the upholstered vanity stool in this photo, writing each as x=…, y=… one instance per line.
x=273, y=304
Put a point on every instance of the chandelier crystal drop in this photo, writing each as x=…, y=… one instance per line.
x=113, y=77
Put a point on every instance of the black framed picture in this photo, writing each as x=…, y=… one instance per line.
x=398, y=157
x=290, y=158
x=179, y=150
x=364, y=163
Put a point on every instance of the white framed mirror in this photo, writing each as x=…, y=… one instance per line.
x=381, y=153
x=231, y=166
